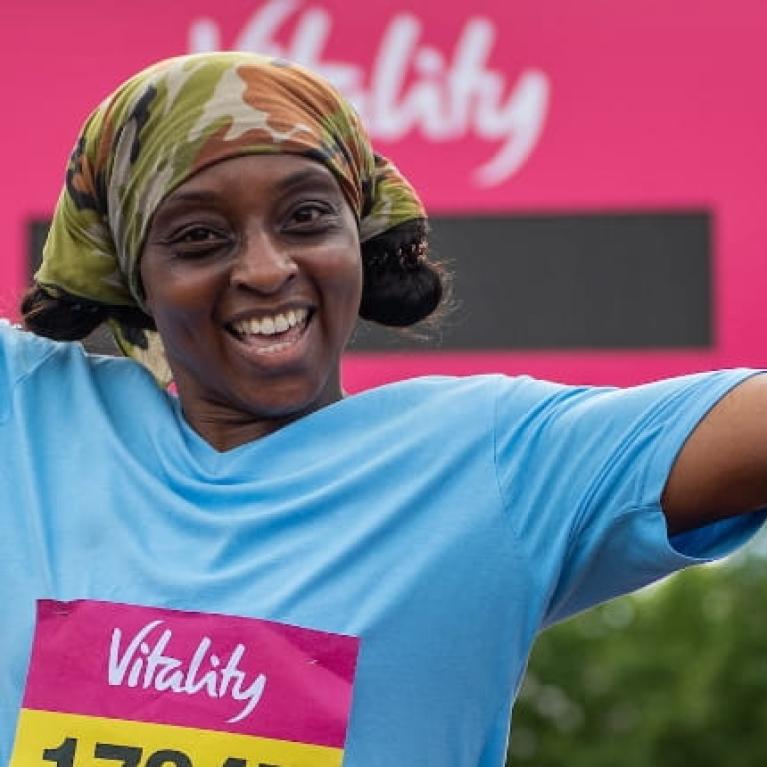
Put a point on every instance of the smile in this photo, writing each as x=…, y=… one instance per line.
x=270, y=334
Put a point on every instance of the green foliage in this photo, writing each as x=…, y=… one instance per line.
x=673, y=676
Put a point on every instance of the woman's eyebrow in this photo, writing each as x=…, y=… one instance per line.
x=191, y=197
x=180, y=202
x=306, y=177
x=299, y=178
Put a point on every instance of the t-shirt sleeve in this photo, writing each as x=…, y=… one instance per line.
x=581, y=472
x=21, y=353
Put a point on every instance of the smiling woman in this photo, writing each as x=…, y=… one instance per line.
x=259, y=569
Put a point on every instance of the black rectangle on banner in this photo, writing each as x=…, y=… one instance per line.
x=588, y=281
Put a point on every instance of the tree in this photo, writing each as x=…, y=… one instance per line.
x=674, y=676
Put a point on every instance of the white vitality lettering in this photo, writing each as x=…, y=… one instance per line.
x=145, y=662
x=411, y=86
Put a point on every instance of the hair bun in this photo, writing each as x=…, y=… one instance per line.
x=400, y=285
x=57, y=318
x=63, y=317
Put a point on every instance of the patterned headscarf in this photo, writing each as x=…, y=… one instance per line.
x=167, y=123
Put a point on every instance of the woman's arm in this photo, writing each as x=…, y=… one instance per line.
x=722, y=469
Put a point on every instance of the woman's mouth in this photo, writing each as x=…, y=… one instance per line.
x=273, y=333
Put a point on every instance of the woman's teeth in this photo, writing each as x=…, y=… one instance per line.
x=270, y=325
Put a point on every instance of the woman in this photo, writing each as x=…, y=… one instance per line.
x=233, y=205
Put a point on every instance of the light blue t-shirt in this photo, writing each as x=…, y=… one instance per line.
x=444, y=521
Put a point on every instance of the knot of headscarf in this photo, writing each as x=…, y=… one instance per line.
x=168, y=122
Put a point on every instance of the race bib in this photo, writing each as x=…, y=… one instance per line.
x=114, y=684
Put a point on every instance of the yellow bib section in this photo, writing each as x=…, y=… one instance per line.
x=71, y=740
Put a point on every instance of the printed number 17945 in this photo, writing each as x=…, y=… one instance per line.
x=132, y=756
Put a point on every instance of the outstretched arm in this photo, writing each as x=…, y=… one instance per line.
x=722, y=469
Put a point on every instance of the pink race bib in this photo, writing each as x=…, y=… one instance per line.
x=149, y=687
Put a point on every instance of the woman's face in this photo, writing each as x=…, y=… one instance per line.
x=252, y=273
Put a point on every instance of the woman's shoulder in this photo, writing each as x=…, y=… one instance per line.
x=26, y=355
x=439, y=390
x=449, y=400
x=57, y=385
x=431, y=390
x=21, y=351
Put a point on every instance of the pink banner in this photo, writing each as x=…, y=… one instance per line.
x=488, y=106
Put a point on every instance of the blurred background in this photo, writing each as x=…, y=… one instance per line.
x=596, y=173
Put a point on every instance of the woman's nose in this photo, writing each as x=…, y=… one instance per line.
x=262, y=265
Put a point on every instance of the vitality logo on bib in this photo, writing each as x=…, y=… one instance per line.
x=149, y=687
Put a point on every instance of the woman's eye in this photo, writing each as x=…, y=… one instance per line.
x=306, y=216
x=196, y=240
x=198, y=234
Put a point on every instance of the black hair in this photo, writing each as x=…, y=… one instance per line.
x=401, y=287
x=69, y=318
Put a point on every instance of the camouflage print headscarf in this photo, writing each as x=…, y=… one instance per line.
x=168, y=122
